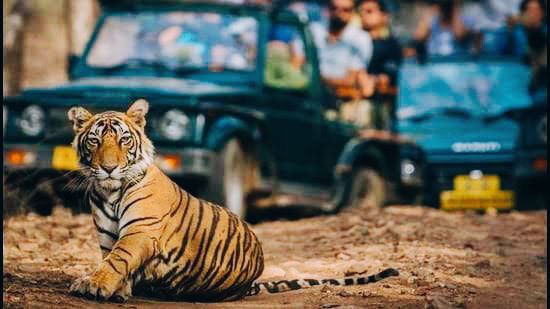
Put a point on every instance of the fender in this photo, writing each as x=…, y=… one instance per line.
x=412, y=152
x=227, y=127
x=359, y=151
x=375, y=148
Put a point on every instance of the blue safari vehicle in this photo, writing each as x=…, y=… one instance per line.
x=460, y=111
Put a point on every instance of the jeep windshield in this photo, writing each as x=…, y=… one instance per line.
x=466, y=87
x=175, y=43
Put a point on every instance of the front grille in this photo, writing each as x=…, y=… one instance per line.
x=58, y=127
x=440, y=177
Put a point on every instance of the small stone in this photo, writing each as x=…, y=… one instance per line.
x=440, y=302
x=345, y=294
x=491, y=212
x=484, y=264
x=412, y=280
x=343, y=256
x=366, y=294
x=470, y=253
x=459, y=301
x=27, y=246
x=356, y=269
x=429, y=305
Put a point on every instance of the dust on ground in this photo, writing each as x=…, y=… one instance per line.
x=446, y=260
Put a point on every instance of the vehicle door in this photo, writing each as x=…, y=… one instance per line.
x=293, y=117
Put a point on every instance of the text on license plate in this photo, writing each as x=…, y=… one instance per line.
x=476, y=193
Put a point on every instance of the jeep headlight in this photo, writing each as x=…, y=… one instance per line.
x=32, y=120
x=175, y=125
x=410, y=173
x=5, y=119
x=542, y=129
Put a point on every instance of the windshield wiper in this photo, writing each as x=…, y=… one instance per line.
x=498, y=116
x=204, y=68
x=187, y=70
x=455, y=111
x=159, y=66
x=135, y=63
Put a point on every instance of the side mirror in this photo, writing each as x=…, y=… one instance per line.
x=72, y=61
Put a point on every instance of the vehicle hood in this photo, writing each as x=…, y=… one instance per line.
x=104, y=88
x=449, y=135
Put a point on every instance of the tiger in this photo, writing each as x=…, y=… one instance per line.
x=157, y=239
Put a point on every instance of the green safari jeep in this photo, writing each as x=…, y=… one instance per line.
x=238, y=115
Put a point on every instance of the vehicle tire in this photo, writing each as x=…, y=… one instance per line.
x=366, y=188
x=412, y=197
x=23, y=193
x=531, y=196
x=232, y=178
x=41, y=202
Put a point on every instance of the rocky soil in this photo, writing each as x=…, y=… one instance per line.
x=446, y=260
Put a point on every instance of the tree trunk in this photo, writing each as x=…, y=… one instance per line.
x=81, y=17
x=15, y=15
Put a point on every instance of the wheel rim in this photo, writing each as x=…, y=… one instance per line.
x=366, y=190
x=233, y=179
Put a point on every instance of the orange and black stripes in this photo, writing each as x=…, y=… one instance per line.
x=296, y=284
x=206, y=252
x=156, y=238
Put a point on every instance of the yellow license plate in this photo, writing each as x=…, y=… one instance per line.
x=465, y=183
x=64, y=158
x=476, y=193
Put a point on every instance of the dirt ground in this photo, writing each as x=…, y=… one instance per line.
x=446, y=260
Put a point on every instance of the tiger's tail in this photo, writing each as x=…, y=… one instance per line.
x=296, y=284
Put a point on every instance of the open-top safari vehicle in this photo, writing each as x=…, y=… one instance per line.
x=231, y=118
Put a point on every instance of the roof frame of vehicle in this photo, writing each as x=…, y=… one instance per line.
x=474, y=58
x=132, y=4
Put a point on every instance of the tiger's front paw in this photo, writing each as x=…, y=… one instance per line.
x=121, y=295
x=98, y=287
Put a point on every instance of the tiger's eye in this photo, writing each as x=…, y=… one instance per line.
x=93, y=141
x=125, y=139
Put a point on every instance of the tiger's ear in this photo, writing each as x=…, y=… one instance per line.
x=79, y=116
x=137, y=112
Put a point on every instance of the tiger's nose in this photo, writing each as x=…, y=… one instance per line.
x=108, y=168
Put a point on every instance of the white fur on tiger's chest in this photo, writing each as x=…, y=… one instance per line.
x=106, y=221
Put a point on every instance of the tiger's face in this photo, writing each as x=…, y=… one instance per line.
x=112, y=146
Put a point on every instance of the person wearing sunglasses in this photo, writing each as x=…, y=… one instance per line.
x=344, y=53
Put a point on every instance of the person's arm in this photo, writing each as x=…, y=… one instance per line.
x=423, y=28
x=345, y=87
x=297, y=53
x=394, y=61
x=346, y=81
x=363, y=57
x=386, y=82
x=457, y=25
x=366, y=82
